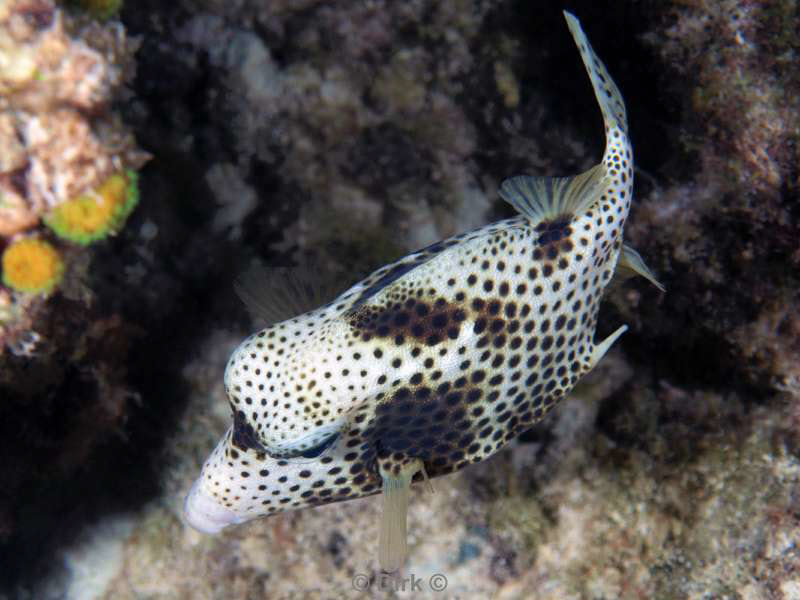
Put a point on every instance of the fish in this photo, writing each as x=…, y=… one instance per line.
x=431, y=363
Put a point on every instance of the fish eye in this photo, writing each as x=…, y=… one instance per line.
x=316, y=451
x=310, y=454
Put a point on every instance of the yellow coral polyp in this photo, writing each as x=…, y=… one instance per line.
x=95, y=215
x=32, y=266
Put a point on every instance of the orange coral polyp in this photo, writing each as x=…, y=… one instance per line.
x=95, y=215
x=32, y=266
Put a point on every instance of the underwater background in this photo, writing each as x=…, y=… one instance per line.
x=346, y=134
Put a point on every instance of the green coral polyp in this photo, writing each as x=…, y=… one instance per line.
x=98, y=214
x=101, y=9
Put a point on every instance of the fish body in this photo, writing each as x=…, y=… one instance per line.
x=433, y=362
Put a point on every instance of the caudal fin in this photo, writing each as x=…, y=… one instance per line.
x=605, y=89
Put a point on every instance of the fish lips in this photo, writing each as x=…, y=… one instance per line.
x=205, y=514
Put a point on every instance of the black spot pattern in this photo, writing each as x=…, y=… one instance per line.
x=244, y=436
x=428, y=323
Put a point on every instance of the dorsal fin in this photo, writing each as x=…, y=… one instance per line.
x=606, y=91
x=631, y=263
x=275, y=294
x=544, y=198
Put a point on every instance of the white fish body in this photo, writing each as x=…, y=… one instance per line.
x=433, y=362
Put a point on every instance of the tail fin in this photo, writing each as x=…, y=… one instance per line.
x=605, y=89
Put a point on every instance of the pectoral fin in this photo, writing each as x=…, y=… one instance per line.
x=279, y=293
x=393, y=538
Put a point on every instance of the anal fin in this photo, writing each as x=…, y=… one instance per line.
x=631, y=263
x=601, y=348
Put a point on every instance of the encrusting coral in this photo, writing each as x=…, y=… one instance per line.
x=66, y=156
x=32, y=265
x=58, y=138
x=93, y=216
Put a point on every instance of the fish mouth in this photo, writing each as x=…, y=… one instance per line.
x=205, y=514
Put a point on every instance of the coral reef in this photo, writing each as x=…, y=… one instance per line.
x=344, y=134
x=60, y=140
x=62, y=383
x=735, y=219
x=57, y=77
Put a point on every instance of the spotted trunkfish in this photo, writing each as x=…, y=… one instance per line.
x=432, y=363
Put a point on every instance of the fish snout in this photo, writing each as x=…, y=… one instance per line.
x=204, y=513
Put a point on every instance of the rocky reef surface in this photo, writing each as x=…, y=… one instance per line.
x=347, y=133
